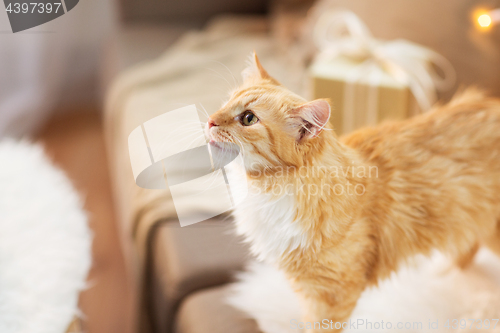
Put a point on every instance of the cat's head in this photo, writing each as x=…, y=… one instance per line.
x=271, y=125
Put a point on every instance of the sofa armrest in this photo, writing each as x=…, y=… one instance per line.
x=188, y=259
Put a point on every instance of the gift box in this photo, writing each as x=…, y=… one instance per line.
x=369, y=81
x=360, y=96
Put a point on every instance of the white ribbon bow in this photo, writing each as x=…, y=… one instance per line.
x=342, y=33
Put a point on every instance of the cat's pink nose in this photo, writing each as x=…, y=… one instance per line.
x=211, y=123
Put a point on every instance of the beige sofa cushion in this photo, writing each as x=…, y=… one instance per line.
x=207, y=312
x=188, y=259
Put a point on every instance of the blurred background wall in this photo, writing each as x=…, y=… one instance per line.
x=54, y=66
x=192, y=10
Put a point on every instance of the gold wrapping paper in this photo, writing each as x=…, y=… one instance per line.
x=372, y=91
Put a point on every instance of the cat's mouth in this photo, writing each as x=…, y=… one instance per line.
x=219, y=140
x=224, y=145
x=216, y=144
x=221, y=143
x=223, y=153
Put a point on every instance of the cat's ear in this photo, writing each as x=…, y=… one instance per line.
x=308, y=120
x=255, y=70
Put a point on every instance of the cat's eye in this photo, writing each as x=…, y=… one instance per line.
x=248, y=118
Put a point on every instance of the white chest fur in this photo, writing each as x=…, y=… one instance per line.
x=268, y=225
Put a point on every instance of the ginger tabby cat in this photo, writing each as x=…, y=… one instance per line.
x=428, y=183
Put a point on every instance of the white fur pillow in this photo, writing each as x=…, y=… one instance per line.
x=45, y=243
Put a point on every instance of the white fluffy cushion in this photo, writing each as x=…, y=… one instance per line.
x=45, y=243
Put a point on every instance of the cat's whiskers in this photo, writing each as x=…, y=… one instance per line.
x=188, y=134
x=229, y=71
x=213, y=178
x=242, y=147
x=221, y=76
x=190, y=125
x=204, y=111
